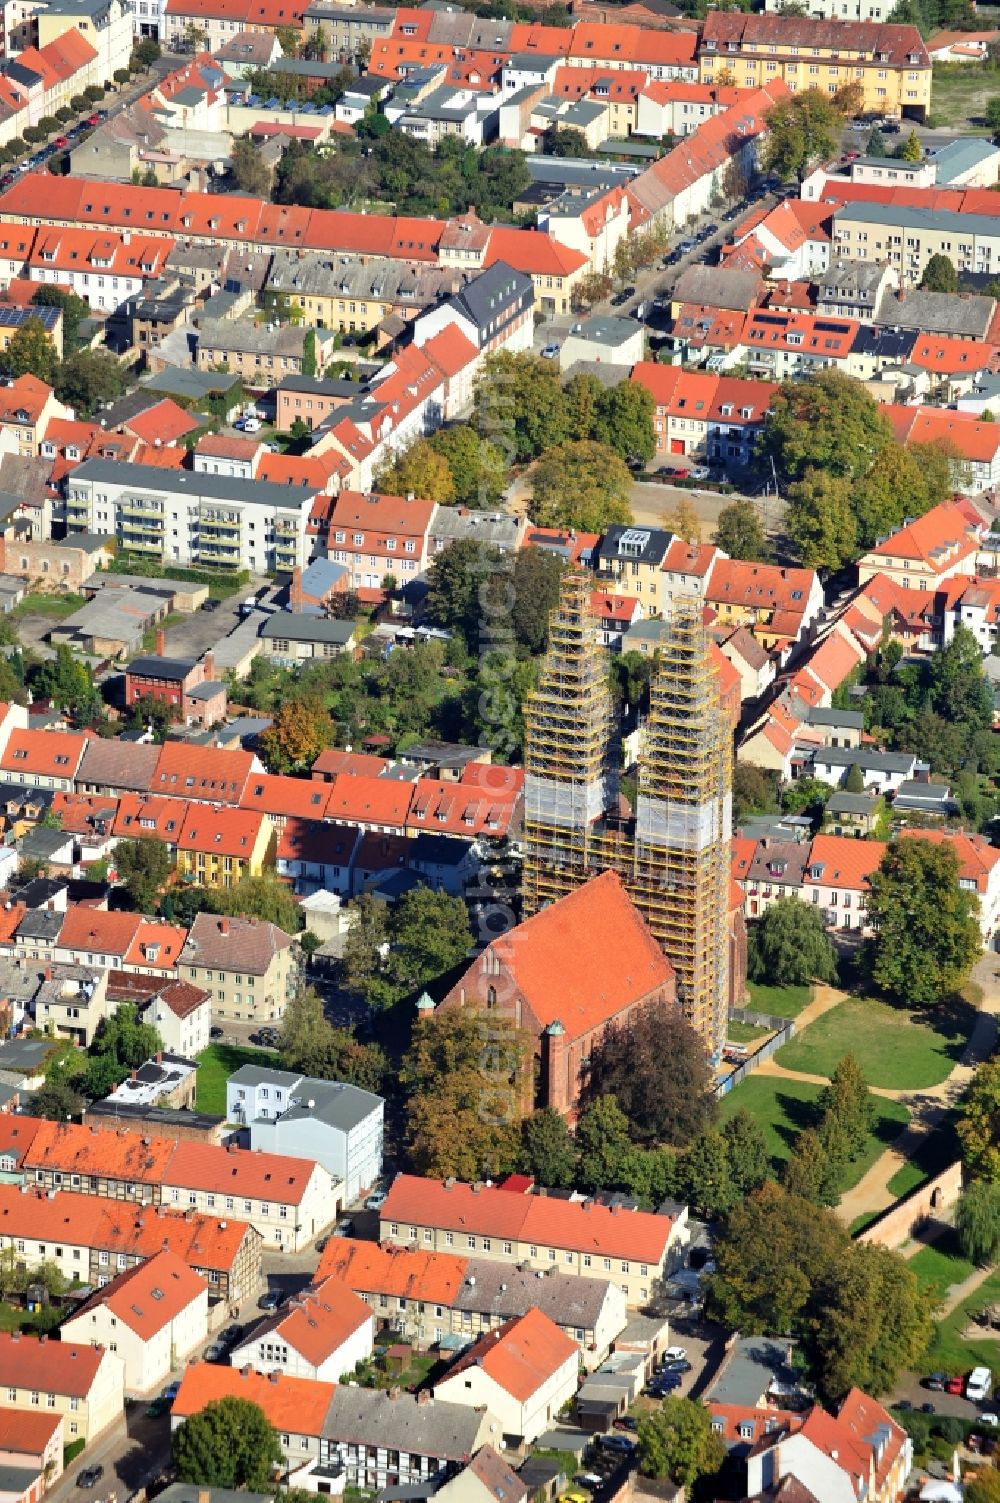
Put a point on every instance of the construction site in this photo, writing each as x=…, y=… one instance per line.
x=672, y=850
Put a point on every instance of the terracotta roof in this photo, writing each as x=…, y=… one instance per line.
x=846, y=862
x=318, y=1321
x=96, y=932
x=141, y=817
x=520, y=1356
x=335, y=760
x=17, y=1135
x=449, y=808
x=874, y=1427
x=763, y=587
x=370, y=801
x=157, y=943
x=164, y=421
x=39, y=1363
x=209, y=773
x=270, y=1177
x=976, y=857
x=292, y=1405
x=760, y=32
x=543, y=1220
x=149, y=1296
x=401, y=1272
x=937, y=540
x=280, y=796
x=221, y=832
x=72, y=1149
x=27, y=1431
x=54, y=753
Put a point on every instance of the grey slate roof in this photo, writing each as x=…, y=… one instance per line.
x=118, y=764
x=853, y=718
x=145, y=477
x=747, y=1376
x=952, y=313
x=843, y=756
x=851, y=803
x=367, y=1416
x=165, y=668
x=294, y=628
x=496, y=291
x=718, y=287
x=502, y=1291
x=255, y=1075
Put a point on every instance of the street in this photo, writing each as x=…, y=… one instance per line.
x=132, y=1452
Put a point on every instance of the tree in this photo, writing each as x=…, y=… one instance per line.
x=656, y=1067
x=789, y=945
x=869, y=1323
x=801, y=131
x=806, y=1174
x=88, y=380
x=310, y=1045
x=753, y=792
x=740, y=533
x=770, y=1252
x=893, y=488
x=57, y=1101
x=623, y=421
x=66, y=680
x=73, y=310
x=231, y=1444
x=547, y=1149
x=581, y=485
x=875, y=145
x=367, y=939
x=249, y=171
x=31, y=352
x=982, y=1485
x=820, y=520
x=455, y=580
x=604, y=1143
x=144, y=866
x=419, y=469
x=746, y=1152
x=848, y=1099
x=978, y=1124
x=684, y=521
x=463, y=1077
x=265, y=897
x=478, y=471
x=926, y=927
x=940, y=274
x=310, y=359
x=429, y=933
x=537, y=572
x=520, y=396
x=957, y=688
x=677, y=1441
x=977, y=1222
x=300, y=729
x=146, y=52
x=911, y=150
x=855, y=780
x=123, y=1038
x=827, y=422
x=564, y=141
x=705, y=1174
x=121, y=76
x=593, y=287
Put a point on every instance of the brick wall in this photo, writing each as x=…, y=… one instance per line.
x=901, y=1220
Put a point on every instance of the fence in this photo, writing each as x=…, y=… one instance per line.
x=903, y=1218
x=783, y=1028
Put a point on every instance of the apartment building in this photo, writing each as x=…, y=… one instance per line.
x=218, y=847
x=633, y=1249
x=376, y=535
x=85, y=1384
x=187, y=518
x=907, y=236
x=891, y=63
x=250, y=968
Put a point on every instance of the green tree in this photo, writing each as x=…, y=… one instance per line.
x=455, y=580
x=581, y=485
x=827, y=422
x=869, y=1323
x=656, y=1067
x=802, y=131
x=537, y=572
x=848, y=1098
x=429, y=933
x=893, y=488
x=57, y=1101
x=478, y=471
x=31, y=353
x=677, y=1441
x=144, y=867
x=958, y=689
x=623, y=421
x=977, y=1222
x=300, y=729
x=753, y=792
x=102, y=1075
x=926, y=927
x=911, y=150
x=123, y=1038
x=73, y=310
x=940, y=274
x=746, y=1151
x=806, y=1174
x=264, y=897
x=547, y=1149
x=706, y=1177
x=875, y=145
x=978, y=1124
x=361, y=962
x=310, y=363
x=855, y=780
x=520, y=395
x=789, y=945
x=564, y=141
x=311, y=1045
x=740, y=533
x=820, y=521
x=463, y=1078
x=769, y=1254
x=146, y=52
x=420, y=468
x=231, y=1444
x=88, y=380
x=66, y=679
x=603, y=1142
x=583, y=393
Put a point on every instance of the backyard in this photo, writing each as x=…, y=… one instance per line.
x=784, y=1107
x=57, y=607
x=215, y=1065
x=897, y=1048
x=960, y=93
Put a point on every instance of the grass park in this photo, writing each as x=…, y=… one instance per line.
x=778, y=1001
x=959, y=96
x=215, y=1065
x=902, y=1050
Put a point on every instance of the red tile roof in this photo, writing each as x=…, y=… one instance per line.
x=520, y=1356
x=846, y=862
x=26, y=1430
x=400, y=1272
x=140, y=817
x=320, y=1319
x=39, y=1363
x=209, y=773
x=270, y=1177
x=221, y=832
x=53, y=753
x=281, y=796
x=937, y=540
x=148, y=1297
x=164, y=422
x=293, y=1405
x=370, y=801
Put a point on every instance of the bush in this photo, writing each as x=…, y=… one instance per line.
x=64, y=113
x=72, y=1451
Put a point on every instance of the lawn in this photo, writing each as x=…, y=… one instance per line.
x=56, y=606
x=937, y=1150
x=215, y=1065
x=745, y=1033
x=939, y=1266
x=784, y=1107
x=897, y=1048
x=779, y=1001
x=959, y=96
x=948, y=1351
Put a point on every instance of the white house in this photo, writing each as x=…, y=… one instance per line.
x=181, y=1013
x=524, y=1373
x=322, y=1334
x=152, y=1316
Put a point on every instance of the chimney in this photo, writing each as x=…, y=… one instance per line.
x=159, y=1056
x=204, y=1496
x=424, y=1396
x=48, y=973
x=209, y=667
x=161, y=643
x=295, y=591
x=223, y=926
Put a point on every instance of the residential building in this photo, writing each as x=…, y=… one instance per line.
x=219, y=847
x=187, y=518
x=430, y=1295
x=34, y=1442
x=152, y=1316
x=260, y=353
x=338, y=1125
x=524, y=1372
x=289, y=639
x=106, y=270
x=375, y=535
x=250, y=968
x=85, y=1384
x=633, y=1249
x=43, y=759
x=926, y=550
x=105, y=24
x=295, y=1407
x=907, y=236
x=322, y=1333
x=384, y=1439
x=290, y=1201
x=890, y=62
x=778, y=605
x=494, y=311
x=182, y=1016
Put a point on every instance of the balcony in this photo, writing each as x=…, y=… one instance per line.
x=219, y=552
x=142, y=509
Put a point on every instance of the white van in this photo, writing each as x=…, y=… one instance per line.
x=978, y=1384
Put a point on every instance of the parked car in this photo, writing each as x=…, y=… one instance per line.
x=210, y=605
x=230, y=1335
x=551, y=352
x=675, y=1354
x=344, y=1228
x=890, y=128
x=700, y=472
x=90, y=1476
x=215, y=1032
x=270, y=1300
x=620, y=298
x=60, y=142
x=686, y=247
x=617, y=1443
x=928, y=1408
x=955, y=1385
x=377, y=1201
x=680, y=1366
x=677, y=475
x=213, y=1352
x=989, y=1418
x=248, y=425
x=936, y=1382
x=978, y=1384
x=589, y=1479
x=93, y=120
x=625, y=1422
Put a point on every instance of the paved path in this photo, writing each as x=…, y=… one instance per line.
x=928, y=1107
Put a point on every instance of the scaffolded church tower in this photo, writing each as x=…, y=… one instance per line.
x=674, y=852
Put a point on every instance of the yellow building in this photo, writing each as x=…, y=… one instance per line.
x=218, y=847
x=890, y=63
x=86, y=1384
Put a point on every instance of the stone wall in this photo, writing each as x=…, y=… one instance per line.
x=897, y=1224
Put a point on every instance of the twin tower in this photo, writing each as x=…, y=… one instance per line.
x=673, y=851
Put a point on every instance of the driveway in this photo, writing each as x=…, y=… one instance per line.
x=201, y=630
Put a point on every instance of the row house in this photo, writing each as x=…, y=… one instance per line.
x=106, y=270
x=705, y=416
x=83, y=1383
x=908, y=236
x=670, y=107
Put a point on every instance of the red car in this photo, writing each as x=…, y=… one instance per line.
x=955, y=1385
x=680, y=474
x=61, y=141
x=93, y=119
